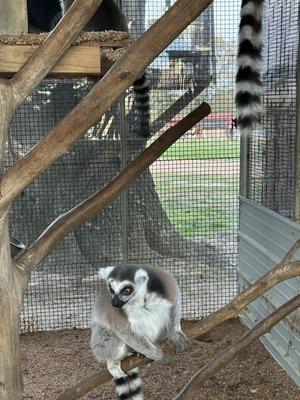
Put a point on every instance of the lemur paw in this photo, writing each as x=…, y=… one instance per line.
x=179, y=339
x=159, y=355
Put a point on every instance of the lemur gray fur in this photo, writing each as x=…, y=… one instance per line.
x=138, y=306
x=248, y=78
x=109, y=17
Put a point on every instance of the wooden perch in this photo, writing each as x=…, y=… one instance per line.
x=189, y=392
x=286, y=269
x=47, y=55
x=140, y=54
x=78, y=60
x=81, y=59
x=76, y=216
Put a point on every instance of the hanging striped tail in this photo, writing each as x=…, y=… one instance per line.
x=141, y=107
x=129, y=387
x=248, y=78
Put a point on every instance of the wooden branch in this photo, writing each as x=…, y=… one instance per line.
x=189, y=392
x=286, y=269
x=47, y=55
x=78, y=60
x=76, y=216
x=140, y=54
x=175, y=108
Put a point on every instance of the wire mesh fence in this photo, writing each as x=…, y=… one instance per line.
x=271, y=164
x=181, y=214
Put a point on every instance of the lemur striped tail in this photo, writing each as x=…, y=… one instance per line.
x=248, y=78
x=141, y=125
x=129, y=387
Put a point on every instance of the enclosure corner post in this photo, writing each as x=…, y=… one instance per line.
x=11, y=289
x=13, y=19
x=10, y=286
x=243, y=165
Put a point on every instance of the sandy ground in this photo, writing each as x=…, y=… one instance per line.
x=54, y=361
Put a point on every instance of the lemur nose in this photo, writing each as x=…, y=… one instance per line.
x=116, y=302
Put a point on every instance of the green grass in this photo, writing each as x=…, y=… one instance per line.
x=199, y=205
x=201, y=149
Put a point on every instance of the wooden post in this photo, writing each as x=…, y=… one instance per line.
x=243, y=165
x=13, y=20
x=13, y=16
x=10, y=286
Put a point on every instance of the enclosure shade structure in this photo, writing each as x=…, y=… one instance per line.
x=14, y=279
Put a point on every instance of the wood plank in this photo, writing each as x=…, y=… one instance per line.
x=78, y=60
x=13, y=16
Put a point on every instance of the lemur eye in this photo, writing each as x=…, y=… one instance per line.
x=127, y=290
x=111, y=290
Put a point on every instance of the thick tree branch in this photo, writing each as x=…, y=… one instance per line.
x=189, y=392
x=286, y=269
x=140, y=54
x=48, y=53
x=76, y=216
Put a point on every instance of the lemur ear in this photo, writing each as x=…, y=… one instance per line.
x=141, y=276
x=104, y=272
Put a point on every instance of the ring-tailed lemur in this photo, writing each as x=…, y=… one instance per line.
x=137, y=307
x=110, y=17
x=248, y=79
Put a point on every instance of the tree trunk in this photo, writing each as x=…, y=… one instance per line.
x=159, y=232
x=10, y=302
x=11, y=281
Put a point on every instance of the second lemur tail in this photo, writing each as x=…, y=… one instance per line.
x=141, y=121
x=129, y=387
x=248, y=78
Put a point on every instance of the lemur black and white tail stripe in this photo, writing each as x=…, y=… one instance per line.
x=129, y=387
x=141, y=108
x=248, y=78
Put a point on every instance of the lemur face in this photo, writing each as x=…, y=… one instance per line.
x=123, y=288
x=121, y=292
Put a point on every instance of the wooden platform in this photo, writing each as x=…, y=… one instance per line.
x=78, y=60
x=85, y=56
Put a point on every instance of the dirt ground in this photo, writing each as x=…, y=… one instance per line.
x=54, y=361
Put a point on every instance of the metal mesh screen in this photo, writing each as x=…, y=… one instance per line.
x=181, y=214
x=271, y=167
